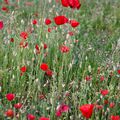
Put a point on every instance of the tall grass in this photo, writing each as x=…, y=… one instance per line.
x=97, y=48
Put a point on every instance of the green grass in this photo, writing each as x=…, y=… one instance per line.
x=98, y=36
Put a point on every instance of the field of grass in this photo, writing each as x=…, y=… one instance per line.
x=75, y=77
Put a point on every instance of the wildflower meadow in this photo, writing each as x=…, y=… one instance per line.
x=59, y=60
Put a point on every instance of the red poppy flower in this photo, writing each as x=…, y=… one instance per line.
x=71, y=3
x=117, y=117
x=31, y=117
x=5, y=9
x=47, y=21
x=74, y=23
x=87, y=110
x=88, y=78
x=21, y=74
x=6, y=1
x=18, y=105
x=118, y=71
x=12, y=40
x=1, y=25
x=49, y=73
x=44, y=118
x=49, y=29
x=71, y=33
x=104, y=92
x=60, y=20
x=65, y=3
x=45, y=46
x=34, y=22
x=23, y=69
x=42, y=96
x=24, y=35
x=77, y=4
x=58, y=113
x=37, y=49
x=112, y=104
x=10, y=96
x=102, y=78
x=64, y=49
x=9, y=113
x=74, y=4
x=106, y=102
x=44, y=67
x=62, y=108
